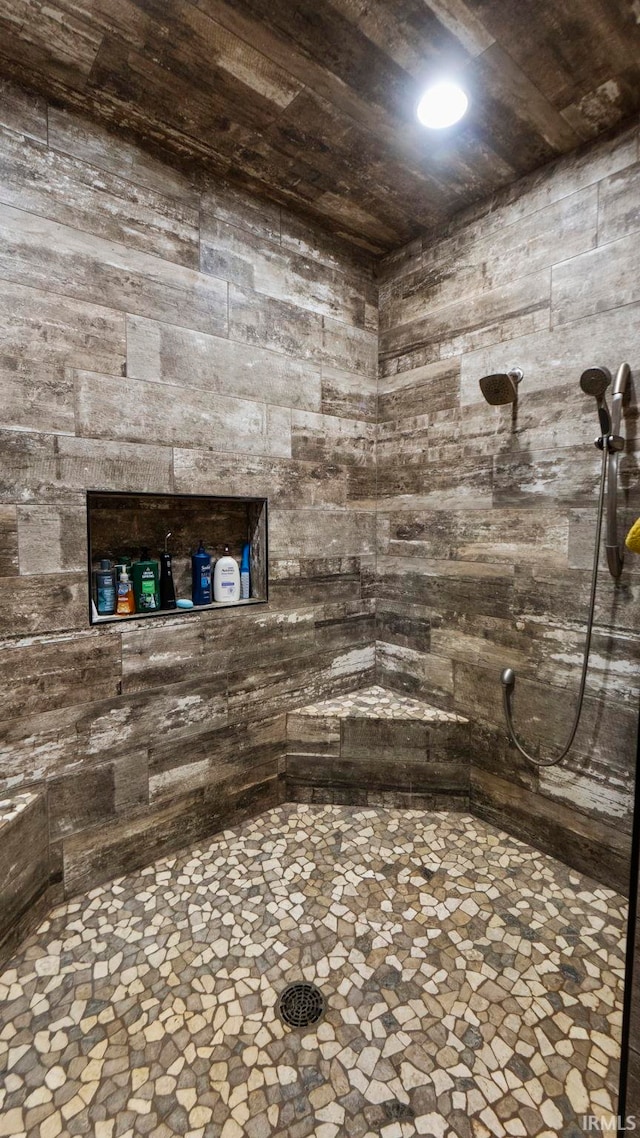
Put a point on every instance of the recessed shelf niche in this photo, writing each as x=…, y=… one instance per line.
x=122, y=524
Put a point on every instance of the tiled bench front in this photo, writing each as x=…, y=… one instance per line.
x=24, y=865
x=375, y=747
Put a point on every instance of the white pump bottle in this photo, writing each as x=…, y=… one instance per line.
x=226, y=579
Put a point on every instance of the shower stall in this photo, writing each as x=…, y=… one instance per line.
x=284, y=870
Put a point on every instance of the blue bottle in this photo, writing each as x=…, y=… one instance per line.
x=245, y=572
x=105, y=588
x=201, y=576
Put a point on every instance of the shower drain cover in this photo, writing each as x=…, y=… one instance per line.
x=301, y=1005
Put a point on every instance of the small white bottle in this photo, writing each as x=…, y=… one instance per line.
x=226, y=579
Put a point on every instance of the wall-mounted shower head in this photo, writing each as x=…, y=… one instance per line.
x=595, y=381
x=501, y=387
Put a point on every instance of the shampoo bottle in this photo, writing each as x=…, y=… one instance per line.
x=146, y=577
x=105, y=589
x=167, y=590
x=226, y=579
x=245, y=573
x=201, y=576
x=126, y=604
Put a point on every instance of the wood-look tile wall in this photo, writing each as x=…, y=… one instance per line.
x=486, y=515
x=161, y=336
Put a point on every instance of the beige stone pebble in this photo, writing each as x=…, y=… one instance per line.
x=187, y=1097
x=231, y=1129
x=11, y=1123
x=55, y=1077
x=51, y=1126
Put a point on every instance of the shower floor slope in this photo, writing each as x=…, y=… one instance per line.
x=473, y=988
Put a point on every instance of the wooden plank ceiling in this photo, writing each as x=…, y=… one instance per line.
x=313, y=102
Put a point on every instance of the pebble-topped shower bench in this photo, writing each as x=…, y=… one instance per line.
x=24, y=866
x=378, y=748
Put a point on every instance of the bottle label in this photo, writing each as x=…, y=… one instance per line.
x=125, y=598
x=106, y=598
x=148, y=591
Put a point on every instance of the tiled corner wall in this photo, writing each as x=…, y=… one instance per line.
x=161, y=336
x=165, y=336
x=25, y=891
x=486, y=514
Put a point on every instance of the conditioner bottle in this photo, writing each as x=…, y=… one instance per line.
x=201, y=576
x=105, y=589
x=226, y=579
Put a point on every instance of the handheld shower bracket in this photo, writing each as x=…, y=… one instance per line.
x=611, y=443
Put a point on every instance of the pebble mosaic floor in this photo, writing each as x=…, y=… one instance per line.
x=11, y=807
x=473, y=988
x=379, y=703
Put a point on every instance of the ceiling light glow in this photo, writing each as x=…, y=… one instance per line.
x=442, y=105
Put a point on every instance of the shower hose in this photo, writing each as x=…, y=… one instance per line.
x=508, y=678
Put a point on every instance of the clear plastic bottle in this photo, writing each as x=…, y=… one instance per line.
x=126, y=604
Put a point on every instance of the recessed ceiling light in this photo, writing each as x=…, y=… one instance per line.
x=442, y=105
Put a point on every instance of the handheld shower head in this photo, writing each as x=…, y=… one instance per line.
x=595, y=381
x=501, y=387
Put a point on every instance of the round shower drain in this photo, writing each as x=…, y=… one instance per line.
x=301, y=1005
